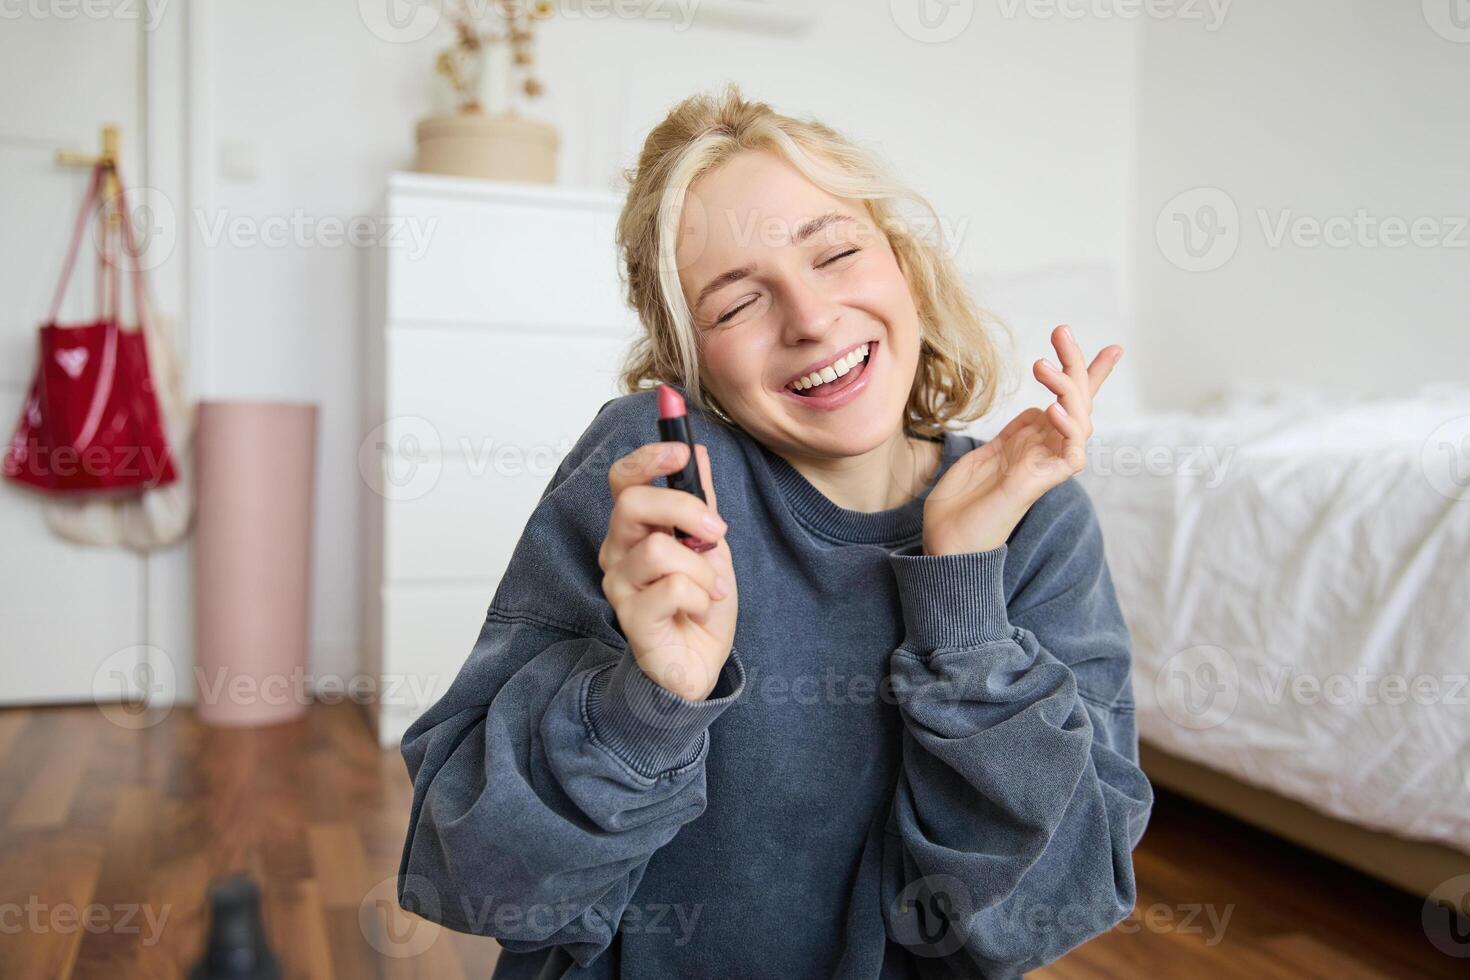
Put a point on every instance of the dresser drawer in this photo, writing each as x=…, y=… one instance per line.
x=499, y=330
x=474, y=391
x=445, y=521
x=428, y=635
x=503, y=261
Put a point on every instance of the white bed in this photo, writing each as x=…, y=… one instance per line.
x=1281, y=532
x=1280, y=558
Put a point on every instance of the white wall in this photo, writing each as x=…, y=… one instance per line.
x=1019, y=129
x=1315, y=110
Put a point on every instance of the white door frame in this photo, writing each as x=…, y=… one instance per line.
x=178, y=161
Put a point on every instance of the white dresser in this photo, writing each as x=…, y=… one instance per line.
x=496, y=330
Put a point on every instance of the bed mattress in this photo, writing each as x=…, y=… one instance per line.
x=1294, y=569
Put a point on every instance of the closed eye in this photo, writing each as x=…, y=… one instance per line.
x=840, y=255
x=732, y=313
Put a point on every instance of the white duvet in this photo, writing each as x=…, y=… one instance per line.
x=1295, y=571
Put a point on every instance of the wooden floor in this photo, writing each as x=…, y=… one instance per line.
x=111, y=829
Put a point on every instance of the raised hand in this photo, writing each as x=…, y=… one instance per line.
x=986, y=492
x=679, y=623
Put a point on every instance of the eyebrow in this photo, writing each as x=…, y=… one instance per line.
x=806, y=230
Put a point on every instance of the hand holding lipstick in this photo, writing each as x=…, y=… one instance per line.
x=676, y=607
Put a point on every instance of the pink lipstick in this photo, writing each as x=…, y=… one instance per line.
x=674, y=426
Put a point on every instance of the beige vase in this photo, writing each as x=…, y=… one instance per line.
x=501, y=146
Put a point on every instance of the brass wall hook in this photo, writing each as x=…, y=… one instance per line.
x=107, y=158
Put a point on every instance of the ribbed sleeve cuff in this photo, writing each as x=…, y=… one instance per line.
x=650, y=728
x=951, y=600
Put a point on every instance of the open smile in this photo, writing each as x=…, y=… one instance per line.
x=838, y=383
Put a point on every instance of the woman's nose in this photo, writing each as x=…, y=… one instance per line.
x=811, y=312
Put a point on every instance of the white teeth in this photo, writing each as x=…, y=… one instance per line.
x=832, y=371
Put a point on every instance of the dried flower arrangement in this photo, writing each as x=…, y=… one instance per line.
x=463, y=62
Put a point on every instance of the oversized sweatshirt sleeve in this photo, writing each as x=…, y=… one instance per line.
x=553, y=768
x=1020, y=799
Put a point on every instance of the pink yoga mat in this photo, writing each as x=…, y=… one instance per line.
x=255, y=466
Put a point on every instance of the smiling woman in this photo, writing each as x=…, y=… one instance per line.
x=937, y=771
x=765, y=250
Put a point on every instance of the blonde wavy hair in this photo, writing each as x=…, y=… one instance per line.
x=959, y=367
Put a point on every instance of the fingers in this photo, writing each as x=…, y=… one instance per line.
x=639, y=511
x=655, y=557
x=1074, y=437
x=1069, y=351
x=1061, y=440
x=1024, y=418
x=1068, y=391
x=645, y=464
x=1073, y=380
x=666, y=598
x=1103, y=365
x=969, y=467
x=1074, y=364
x=650, y=575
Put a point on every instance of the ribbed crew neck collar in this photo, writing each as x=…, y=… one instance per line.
x=821, y=514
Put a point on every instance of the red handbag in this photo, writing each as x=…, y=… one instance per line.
x=91, y=421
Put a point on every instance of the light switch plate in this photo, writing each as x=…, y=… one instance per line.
x=239, y=161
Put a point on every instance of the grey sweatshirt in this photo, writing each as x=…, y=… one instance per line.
x=911, y=766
